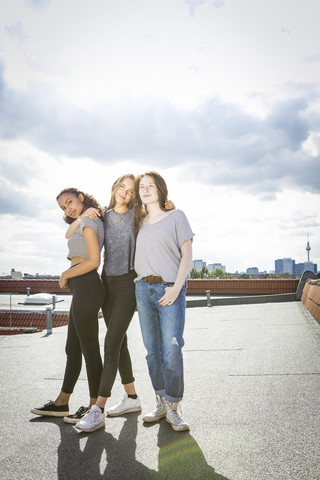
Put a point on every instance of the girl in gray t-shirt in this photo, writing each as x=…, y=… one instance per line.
x=119, y=306
x=87, y=291
x=162, y=261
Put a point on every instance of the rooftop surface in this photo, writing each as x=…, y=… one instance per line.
x=252, y=389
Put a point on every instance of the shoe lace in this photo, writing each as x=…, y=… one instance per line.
x=176, y=413
x=160, y=405
x=81, y=410
x=92, y=414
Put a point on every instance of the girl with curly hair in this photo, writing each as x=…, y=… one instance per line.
x=87, y=297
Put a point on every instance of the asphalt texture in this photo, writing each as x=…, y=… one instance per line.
x=252, y=389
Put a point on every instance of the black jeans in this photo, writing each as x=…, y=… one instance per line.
x=118, y=310
x=87, y=298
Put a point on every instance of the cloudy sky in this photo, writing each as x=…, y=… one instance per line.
x=222, y=97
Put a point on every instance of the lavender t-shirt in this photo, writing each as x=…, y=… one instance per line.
x=158, y=246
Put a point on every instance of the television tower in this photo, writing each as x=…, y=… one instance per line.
x=308, y=248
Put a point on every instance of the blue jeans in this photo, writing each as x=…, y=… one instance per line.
x=162, y=333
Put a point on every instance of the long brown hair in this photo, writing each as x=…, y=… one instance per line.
x=88, y=201
x=141, y=210
x=115, y=187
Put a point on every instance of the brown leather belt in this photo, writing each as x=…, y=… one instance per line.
x=152, y=279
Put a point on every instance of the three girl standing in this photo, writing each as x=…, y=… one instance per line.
x=162, y=261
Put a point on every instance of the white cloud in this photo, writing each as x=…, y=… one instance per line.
x=222, y=101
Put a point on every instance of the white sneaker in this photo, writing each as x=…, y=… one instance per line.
x=159, y=412
x=92, y=420
x=125, y=406
x=174, y=417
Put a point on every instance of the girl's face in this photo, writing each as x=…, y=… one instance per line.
x=148, y=190
x=71, y=205
x=125, y=192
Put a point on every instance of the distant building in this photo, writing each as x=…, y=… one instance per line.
x=198, y=264
x=219, y=265
x=253, y=271
x=284, y=265
x=301, y=267
x=288, y=265
x=16, y=275
x=213, y=266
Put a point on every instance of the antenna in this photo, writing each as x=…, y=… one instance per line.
x=308, y=248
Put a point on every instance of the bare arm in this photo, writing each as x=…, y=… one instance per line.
x=186, y=258
x=73, y=227
x=91, y=263
x=90, y=212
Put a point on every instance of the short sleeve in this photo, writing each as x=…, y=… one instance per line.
x=183, y=229
x=90, y=223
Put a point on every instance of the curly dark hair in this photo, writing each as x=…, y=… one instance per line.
x=89, y=201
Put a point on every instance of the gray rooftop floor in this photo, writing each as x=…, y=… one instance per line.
x=252, y=390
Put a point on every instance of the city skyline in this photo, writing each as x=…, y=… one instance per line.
x=222, y=104
x=301, y=266
x=197, y=264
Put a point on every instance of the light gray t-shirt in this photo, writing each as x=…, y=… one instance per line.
x=77, y=244
x=158, y=246
x=119, y=242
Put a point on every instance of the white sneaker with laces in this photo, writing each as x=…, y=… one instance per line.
x=125, y=406
x=174, y=417
x=92, y=420
x=159, y=412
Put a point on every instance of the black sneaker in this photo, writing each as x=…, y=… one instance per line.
x=76, y=417
x=51, y=410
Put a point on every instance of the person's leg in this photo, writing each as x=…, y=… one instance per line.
x=87, y=300
x=60, y=406
x=82, y=338
x=74, y=359
x=147, y=298
x=116, y=290
x=118, y=313
x=172, y=319
x=123, y=306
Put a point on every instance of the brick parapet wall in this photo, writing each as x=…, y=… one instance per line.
x=36, y=286
x=311, y=297
x=242, y=287
x=194, y=287
x=25, y=320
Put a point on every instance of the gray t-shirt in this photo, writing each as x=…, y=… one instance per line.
x=77, y=244
x=119, y=242
x=158, y=246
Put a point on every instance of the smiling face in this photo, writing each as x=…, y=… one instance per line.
x=71, y=204
x=124, y=192
x=148, y=190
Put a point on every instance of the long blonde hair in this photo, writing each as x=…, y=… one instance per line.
x=115, y=187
